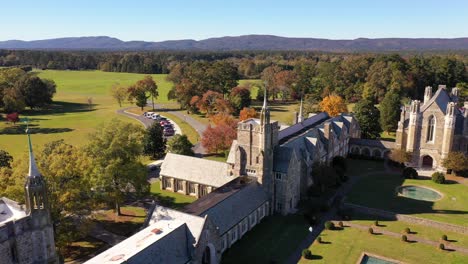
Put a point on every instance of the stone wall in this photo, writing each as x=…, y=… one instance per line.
x=406, y=218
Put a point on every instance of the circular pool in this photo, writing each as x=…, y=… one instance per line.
x=419, y=193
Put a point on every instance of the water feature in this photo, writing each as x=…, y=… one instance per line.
x=419, y=193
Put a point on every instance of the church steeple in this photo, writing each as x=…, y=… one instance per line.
x=300, y=117
x=33, y=171
x=265, y=113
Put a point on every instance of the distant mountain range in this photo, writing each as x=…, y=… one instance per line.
x=247, y=42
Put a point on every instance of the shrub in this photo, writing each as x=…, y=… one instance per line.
x=340, y=224
x=329, y=225
x=404, y=238
x=407, y=230
x=410, y=173
x=307, y=254
x=444, y=237
x=441, y=246
x=371, y=231
x=319, y=240
x=438, y=177
x=376, y=222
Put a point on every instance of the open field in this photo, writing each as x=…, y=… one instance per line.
x=346, y=246
x=379, y=191
x=271, y=241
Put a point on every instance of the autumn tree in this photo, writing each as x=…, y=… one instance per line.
x=333, y=105
x=224, y=119
x=368, y=117
x=179, y=144
x=138, y=93
x=389, y=111
x=119, y=93
x=285, y=81
x=269, y=80
x=247, y=113
x=147, y=84
x=400, y=156
x=154, y=143
x=5, y=159
x=115, y=149
x=213, y=102
x=457, y=162
x=240, y=98
x=12, y=117
x=219, y=138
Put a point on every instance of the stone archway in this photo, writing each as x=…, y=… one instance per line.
x=365, y=152
x=209, y=256
x=376, y=153
x=427, y=161
x=355, y=150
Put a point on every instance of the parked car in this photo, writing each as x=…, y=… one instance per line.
x=149, y=114
x=155, y=116
x=163, y=122
x=168, y=126
x=163, y=118
x=168, y=132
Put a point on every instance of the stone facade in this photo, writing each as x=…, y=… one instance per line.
x=27, y=236
x=433, y=128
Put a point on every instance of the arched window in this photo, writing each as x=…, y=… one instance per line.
x=431, y=128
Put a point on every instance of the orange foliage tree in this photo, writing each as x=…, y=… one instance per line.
x=247, y=113
x=333, y=105
x=218, y=139
x=224, y=119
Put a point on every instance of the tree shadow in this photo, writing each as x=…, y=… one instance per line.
x=20, y=129
x=60, y=107
x=168, y=201
x=316, y=257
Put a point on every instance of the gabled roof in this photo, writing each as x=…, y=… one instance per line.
x=161, y=242
x=10, y=211
x=194, y=223
x=441, y=98
x=228, y=205
x=207, y=172
x=282, y=156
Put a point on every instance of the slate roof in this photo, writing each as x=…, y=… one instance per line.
x=10, y=210
x=194, y=223
x=441, y=98
x=281, y=159
x=372, y=143
x=207, y=172
x=228, y=205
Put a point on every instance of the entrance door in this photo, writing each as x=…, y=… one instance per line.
x=427, y=162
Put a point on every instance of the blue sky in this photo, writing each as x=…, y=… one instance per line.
x=198, y=19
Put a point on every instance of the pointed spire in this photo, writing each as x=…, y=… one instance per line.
x=33, y=171
x=264, y=98
x=300, y=117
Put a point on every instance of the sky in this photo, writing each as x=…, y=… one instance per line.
x=158, y=20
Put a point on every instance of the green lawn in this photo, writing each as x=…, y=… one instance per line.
x=358, y=167
x=379, y=191
x=70, y=117
x=274, y=239
x=170, y=199
x=346, y=246
x=419, y=230
x=83, y=248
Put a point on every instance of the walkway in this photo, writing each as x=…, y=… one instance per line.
x=448, y=245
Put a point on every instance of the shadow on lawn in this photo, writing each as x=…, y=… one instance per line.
x=168, y=201
x=60, y=107
x=379, y=191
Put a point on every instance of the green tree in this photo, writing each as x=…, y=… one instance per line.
x=368, y=118
x=36, y=93
x=179, y=144
x=240, y=98
x=115, y=149
x=5, y=159
x=389, y=111
x=119, y=93
x=13, y=100
x=138, y=93
x=150, y=86
x=154, y=143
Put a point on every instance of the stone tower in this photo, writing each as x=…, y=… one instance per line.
x=449, y=129
x=37, y=207
x=256, y=140
x=427, y=94
x=413, y=126
x=400, y=133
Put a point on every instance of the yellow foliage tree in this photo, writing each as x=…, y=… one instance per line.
x=333, y=105
x=247, y=113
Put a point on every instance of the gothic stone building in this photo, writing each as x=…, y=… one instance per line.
x=26, y=231
x=433, y=128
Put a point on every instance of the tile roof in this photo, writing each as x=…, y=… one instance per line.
x=203, y=171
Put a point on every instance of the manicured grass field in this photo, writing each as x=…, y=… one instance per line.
x=170, y=199
x=421, y=231
x=271, y=241
x=379, y=191
x=346, y=246
x=70, y=118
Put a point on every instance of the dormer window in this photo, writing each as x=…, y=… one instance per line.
x=431, y=129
